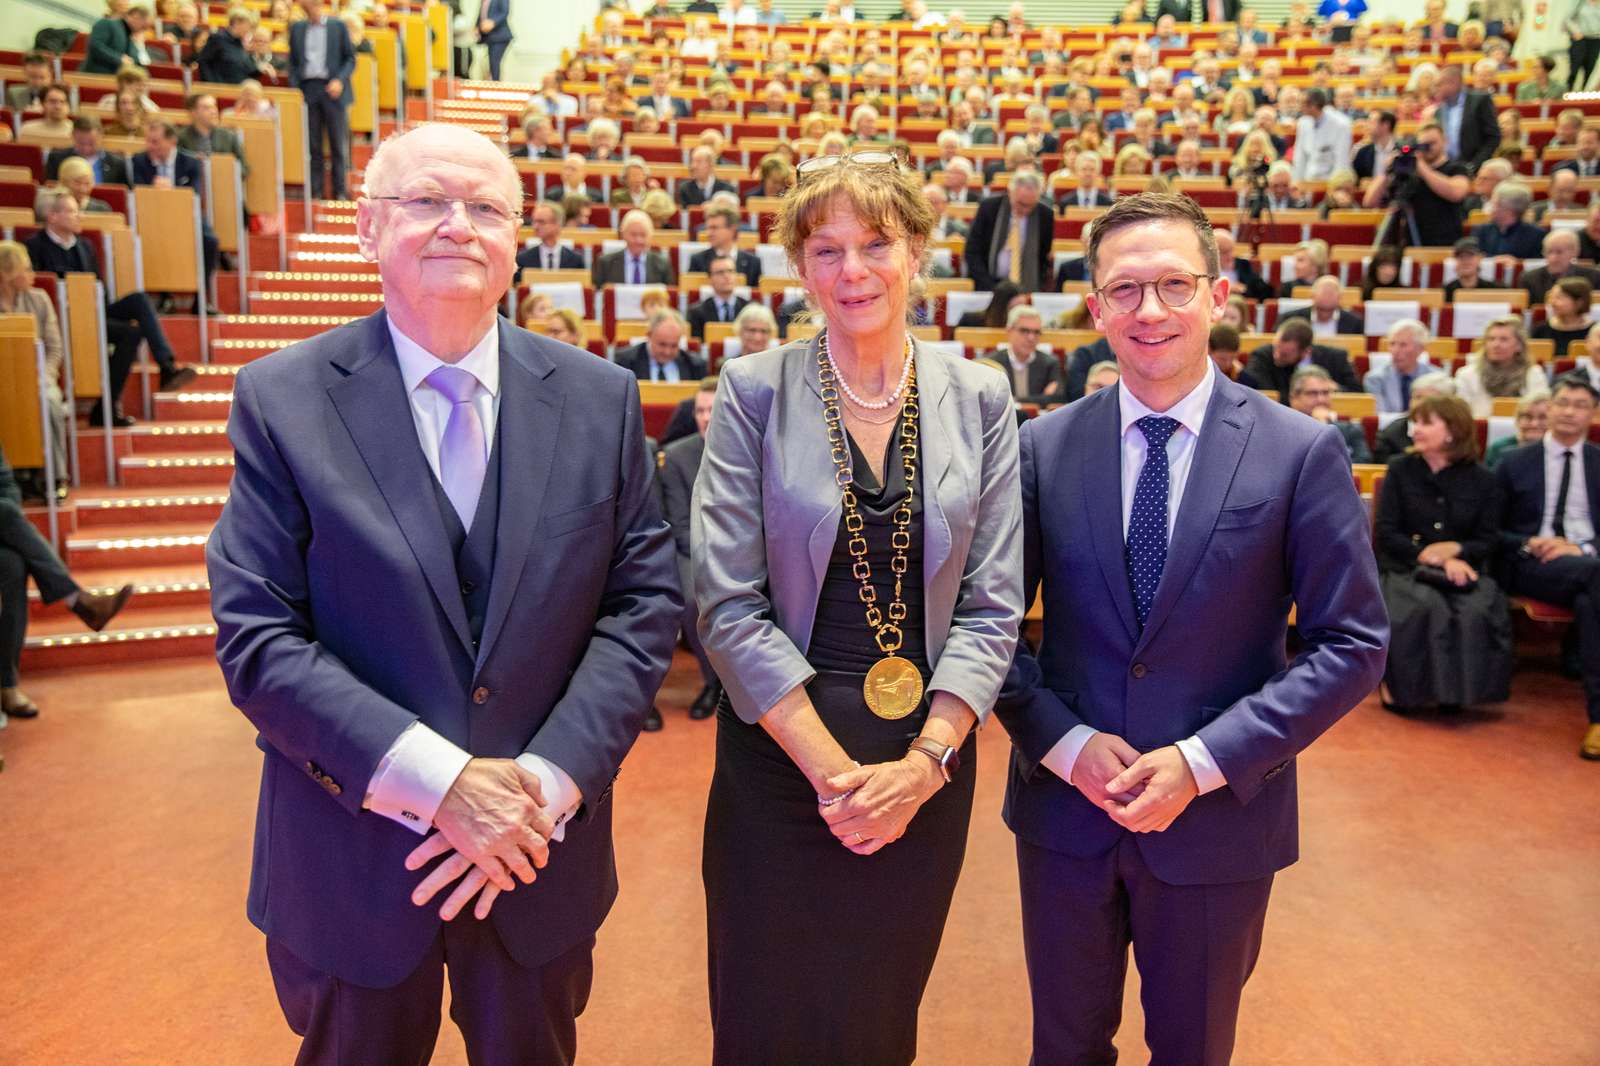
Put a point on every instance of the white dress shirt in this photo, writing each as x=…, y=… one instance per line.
x=1579, y=518
x=1190, y=413
x=1321, y=145
x=418, y=769
x=1324, y=327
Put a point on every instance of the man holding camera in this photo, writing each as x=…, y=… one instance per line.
x=1426, y=187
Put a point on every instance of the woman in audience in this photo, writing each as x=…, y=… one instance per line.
x=604, y=136
x=1237, y=113
x=646, y=121
x=1236, y=313
x=1132, y=161
x=536, y=309
x=698, y=42
x=1383, y=271
x=757, y=330
x=78, y=177
x=636, y=184
x=1511, y=135
x=833, y=143
x=565, y=325
x=618, y=104
x=776, y=176
x=828, y=751
x=1532, y=418
x=661, y=208
x=129, y=118
x=1437, y=526
x=252, y=101
x=1500, y=368
x=19, y=297
x=1566, y=314
x=1340, y=194
x=1310, y=263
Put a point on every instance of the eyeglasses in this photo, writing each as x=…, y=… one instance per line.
x=425, y=207
x=1175, y=290
x=810, y=168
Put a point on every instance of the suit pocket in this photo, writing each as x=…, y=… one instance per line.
x=1248, y=514
x=590, y=514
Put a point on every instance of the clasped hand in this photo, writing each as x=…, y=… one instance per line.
x=885, y=798
x=1142, y=793
x=1546, y=548
x=491, y=825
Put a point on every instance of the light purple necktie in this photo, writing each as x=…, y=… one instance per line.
x=462, y=456
x=638, y=275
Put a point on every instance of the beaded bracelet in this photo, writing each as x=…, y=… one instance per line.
x=829, y=801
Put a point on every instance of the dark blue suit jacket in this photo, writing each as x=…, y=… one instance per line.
x=187, y=171
x=498, y=12
x=341, y=55
x=340, y=622
x=1269, y=518
x=1520, y=473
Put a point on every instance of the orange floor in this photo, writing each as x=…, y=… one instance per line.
x=1444, y=911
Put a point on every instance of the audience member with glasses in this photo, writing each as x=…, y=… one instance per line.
x=857, y=562
x=1171, y=520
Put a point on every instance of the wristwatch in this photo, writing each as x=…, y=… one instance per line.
x=948, y=759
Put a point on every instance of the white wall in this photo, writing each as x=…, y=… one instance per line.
x=542, y=28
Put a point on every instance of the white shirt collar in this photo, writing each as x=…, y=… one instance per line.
x=416, y=362
x=70, y=242
x=1554, y=450
x=1189, y=411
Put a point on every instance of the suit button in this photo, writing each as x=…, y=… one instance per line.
x=1438, y=525
x=332, y=786
x=480, y=695
x=468, y=588
x=1139, y=670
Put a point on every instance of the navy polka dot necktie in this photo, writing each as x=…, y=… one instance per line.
x=1146, y=549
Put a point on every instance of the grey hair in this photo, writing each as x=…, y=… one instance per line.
x=1021, y=311
x=665, y=314
x=1028, y=177
x=1513, y=195
x=1408, y=325
x=1306, y=373
x=755, y=310
x=1435, y=381
x=1561, y=236
x=635, y=214
x=1104, y=364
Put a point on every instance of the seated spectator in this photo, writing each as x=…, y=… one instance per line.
x=185, y=34
x=723, y=304
x=129, y=118
x=58, y=250
x=1147, y=135
x=1542, y=86
x=1437, y=529
x=1086, y=190
x=657, y=204
x=252, y=101
x=1132, y=160
x=1506, y=236
x=547, y=252
x=1560, y=249
x=1513, y=142
x=1223, y=346
x=660, y=356
x=1532, y=414
x=573, y=170
x=24, y=553
x=1272, y=366
x=535, y=310
x=635, y=185
x=565, y=325
x=1382, y=272
x=1003, y=297
x=702, y=182
x=1241, y=273
x=1311, y=390
x=1500, y=368
x=1395, y=438
x=538, y=134
x=1236, y=313
x=946, y=226
x=721, y=231
x=163, y=165
x=680, y=465
x=56, y=121
x=1327, y=318
x=1562, y=196
x=38, y=68
x=1340, y=194
x=604, y=138
x=1036, y=376
x=1547, y=535
x=1566, y=317
x=78, y=179
x=106, y=168
x=1083, y=359
x=1587, y=162
x=1237, y=114
x=1102, y=375
x=203, y=137
x=636, y=263
x=1310, y=263
x=18, y=296
x=1408, y=361
x=225, y=58
x=1281, y=194
x=1468, y=258
x=265, y=56
x=756, y=330
x=135, y=80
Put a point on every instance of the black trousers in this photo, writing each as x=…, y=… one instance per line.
x=691, y=624
x=128, y=321
x=24, y=553
x=327, y=116
x=1195, y=945
x=1582, y=57
x=509, y=1015
x=1571, y=581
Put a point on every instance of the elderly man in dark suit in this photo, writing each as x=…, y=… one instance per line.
x=723, y=304
x=1325, y=314
x=636, y=263
x=661, y=356
x=1011, y=236
x=164, y=165
x=1271, y=366
x=1549, y=517
x=418, y=759
x=1171, y=521
x=1036, y=377
x=721, y=230
x=680, y=465
x=110, y=168
x=1560, y=248
x=1471, y=130
x=702, y=183
x=547, y=252
x=321, y=60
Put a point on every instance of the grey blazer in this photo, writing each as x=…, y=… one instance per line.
x=766, y=513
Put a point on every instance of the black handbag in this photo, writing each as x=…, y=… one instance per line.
x=1435, y=576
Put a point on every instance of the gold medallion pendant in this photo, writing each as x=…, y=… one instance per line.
x=893, y=688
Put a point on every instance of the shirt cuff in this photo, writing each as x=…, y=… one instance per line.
x=1207, y=776
x=561, y=795
x=413, y=777
x=1061, y=759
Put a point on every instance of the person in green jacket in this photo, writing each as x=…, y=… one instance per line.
x=1531, y=412
x=113, y=40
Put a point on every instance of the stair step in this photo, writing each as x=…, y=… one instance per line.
x=280, y=327
x=138, y=633
x=102, y=508
x=314, y=303
x=153, y=586
x=173, y=436
x=328, y=259
x=146, y=544
x=163, y=469
x=194, y=404
x=314, y=281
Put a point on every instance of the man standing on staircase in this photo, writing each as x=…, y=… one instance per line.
x=433, y=639
x=321, y=60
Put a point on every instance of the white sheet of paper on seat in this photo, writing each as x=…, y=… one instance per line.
x=957, y=304
x=1386, y=417
x=563, y=294
x=774, y=261
x=1573, y=224
x=732, y=347
x=1290, y=303
x=1381, y=314
x=1470, y=319
x=625, y=300
x=1052, y=305
x=1378, y=360
x=1501, y=427
x=687, y=251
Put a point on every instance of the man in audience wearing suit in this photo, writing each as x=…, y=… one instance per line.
x=1311, y=392
x=1549, y=514
x=680, y=465
x=59, y=249
x=721, y=230
x=1408, y=361
x=702, y=182
x=547, y=252
x=660, y=357
x=573, y=183
x=164, y=165
x=537, y=135
x=1036, y=376
x=1327, y=318
x=636, y=263
x=666, y=105
x=723, y=305
x=1243, y=279
x=1587, y=162
x=1170, y=521
x=1271, y=366
x=1471, y=130
x=454, y=717
x=1560, y=247
x=1011, y=236
x=110, y=168
x=1087, y=192
x=38, y=71
x=1372, y=157
x=321, y=60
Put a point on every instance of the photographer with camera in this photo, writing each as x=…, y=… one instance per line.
x=1423, y=188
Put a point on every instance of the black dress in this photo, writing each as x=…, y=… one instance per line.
x=1562, y=337
x=818, y=955
x=1445, y=647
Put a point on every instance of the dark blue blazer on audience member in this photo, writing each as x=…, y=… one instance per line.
x=341, y=621
x=533, y=256
x=1520, y=473
x=1269, y=517
x=341, y=55
x=187, y=170
x=1523, y=240
x=499, y=13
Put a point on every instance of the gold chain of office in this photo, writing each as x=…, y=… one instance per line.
x=893, y=687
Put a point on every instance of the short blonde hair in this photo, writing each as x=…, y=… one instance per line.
x=13, y=257
x=74, y=165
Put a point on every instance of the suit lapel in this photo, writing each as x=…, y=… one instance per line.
x=373, y=404
x=529, y=421
x=1216, y=458
x=1101, y=478
x=936, y=427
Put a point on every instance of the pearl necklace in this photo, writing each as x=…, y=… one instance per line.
x=850, y=394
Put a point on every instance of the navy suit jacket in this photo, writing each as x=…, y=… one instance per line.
x=566, y=258
x=746, y=263
x=1520, y=473
x=341, y=55
x=186, y=170
x=498, y=12
x=1269, y=518
x=340, y=622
